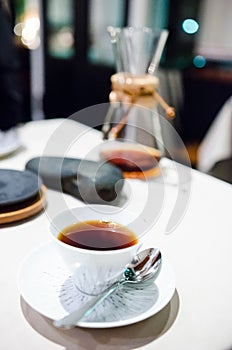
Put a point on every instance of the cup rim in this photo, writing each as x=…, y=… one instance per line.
x=97, y=252
x=52, y=226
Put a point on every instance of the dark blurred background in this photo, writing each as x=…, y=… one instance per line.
x=66, y=57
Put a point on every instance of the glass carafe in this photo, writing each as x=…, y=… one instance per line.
x=132, y=127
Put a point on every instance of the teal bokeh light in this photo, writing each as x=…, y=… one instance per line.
x=199, y=61
x=190, y=26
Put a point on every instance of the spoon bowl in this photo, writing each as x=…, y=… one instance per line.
x=144, y=266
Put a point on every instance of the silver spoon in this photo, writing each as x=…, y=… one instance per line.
x=144, y=268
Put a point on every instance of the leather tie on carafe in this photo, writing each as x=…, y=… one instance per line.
x=138, y=89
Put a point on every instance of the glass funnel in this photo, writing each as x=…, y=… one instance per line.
x=132, y=127
x=137, y=50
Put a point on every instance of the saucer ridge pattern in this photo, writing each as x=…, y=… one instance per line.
x=128, y=301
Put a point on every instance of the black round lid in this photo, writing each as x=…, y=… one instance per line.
x=17, y=186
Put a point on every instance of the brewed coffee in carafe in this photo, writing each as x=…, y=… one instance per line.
x=132, y=131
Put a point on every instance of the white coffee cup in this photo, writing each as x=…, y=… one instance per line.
x=94, y=270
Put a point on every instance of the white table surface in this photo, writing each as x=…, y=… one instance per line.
x=199, y=316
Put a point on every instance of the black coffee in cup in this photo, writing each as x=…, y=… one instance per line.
x=98, y=235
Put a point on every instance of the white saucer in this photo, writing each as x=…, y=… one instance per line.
x=46, y=285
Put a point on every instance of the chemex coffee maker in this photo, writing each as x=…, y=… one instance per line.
x=132, y=130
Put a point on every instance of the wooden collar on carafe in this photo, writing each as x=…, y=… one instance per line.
x=139, y=89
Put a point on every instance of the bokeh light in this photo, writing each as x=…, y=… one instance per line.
x=199, y=61
x=190, y=26
x=28, y=30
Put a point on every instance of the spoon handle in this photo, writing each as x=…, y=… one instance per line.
x=71, y=319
